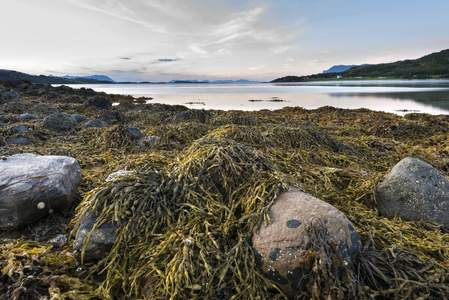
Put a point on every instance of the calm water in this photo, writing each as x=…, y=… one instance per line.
x=429, y=96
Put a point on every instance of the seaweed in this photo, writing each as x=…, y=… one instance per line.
x=185, y=217
x=188, y=229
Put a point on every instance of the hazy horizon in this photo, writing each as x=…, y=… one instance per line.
x=154, y=40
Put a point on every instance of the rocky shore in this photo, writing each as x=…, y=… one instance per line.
x=110, y=197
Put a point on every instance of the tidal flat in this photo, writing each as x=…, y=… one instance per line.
x=337, y=155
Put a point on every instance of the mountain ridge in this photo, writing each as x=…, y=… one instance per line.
x=434, y=65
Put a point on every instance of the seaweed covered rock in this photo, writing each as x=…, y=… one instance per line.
x=33, y=186
x=416, y=191
x=79, y=118
x=60, y=122
x=99, y=102
x=186, y=232
x=195, y=115
x=301, y=227
x=91, y=243
x=6, y=96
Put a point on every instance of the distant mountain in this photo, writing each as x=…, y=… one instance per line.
x=92, y=77
x=42, y=79
x=342, y=68
x=435, y=65
x=215, y=81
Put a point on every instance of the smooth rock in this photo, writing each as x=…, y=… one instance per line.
x=20, y=128
x=98, y=244
x=94, y=123
x=6, y=96
x=60, y=122
x=79, y=118
x=416, y=191
x=26, y=117
x=116, y=175
x=136, y=133
x=279, y=245
x=33, y=186
x=20, y=141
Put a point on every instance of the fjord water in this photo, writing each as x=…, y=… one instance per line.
x=399, y=96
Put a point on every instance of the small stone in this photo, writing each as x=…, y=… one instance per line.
x=41, y=205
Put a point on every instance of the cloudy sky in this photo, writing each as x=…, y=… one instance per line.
x=160, y=40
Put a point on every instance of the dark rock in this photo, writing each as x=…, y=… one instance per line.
x=26, y=117
x=74, y=99
x=135, y=132
x=2, y=87
x=416, y=191
x=281, y=244
x=79, y=118
x=20, y=141
x=20, y=128
x=94, y=123
x=50, y=96
x=6, y=96
x=60, y=122
x=100, y=242
x=25, y=86
x=43, y=109
x=33, y=186
x=2, y=142
x=99, y=102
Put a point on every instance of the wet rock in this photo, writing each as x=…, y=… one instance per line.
x=6, y=96
x=99, y=102
x=79, y=118
x=279, y=245
x=20, y=141
x=416, y=191
x=60, y=122
x=33, y=186
x=25, y=86
x=94, y=123
x=135, y=132
x=100, y=242
x=116, y=175
x=26, y=117
x=20, y=128
x=149, y=141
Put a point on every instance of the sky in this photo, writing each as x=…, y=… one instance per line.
x=162, y=40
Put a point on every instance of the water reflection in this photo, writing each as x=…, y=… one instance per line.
x=437, y=98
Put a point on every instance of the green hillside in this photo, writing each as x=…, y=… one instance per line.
x=435, y=65
x=14, y=75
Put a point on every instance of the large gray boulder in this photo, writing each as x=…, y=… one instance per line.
x=60, y=122
x=33, y=186
x=416, y=191
x=281, y=244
